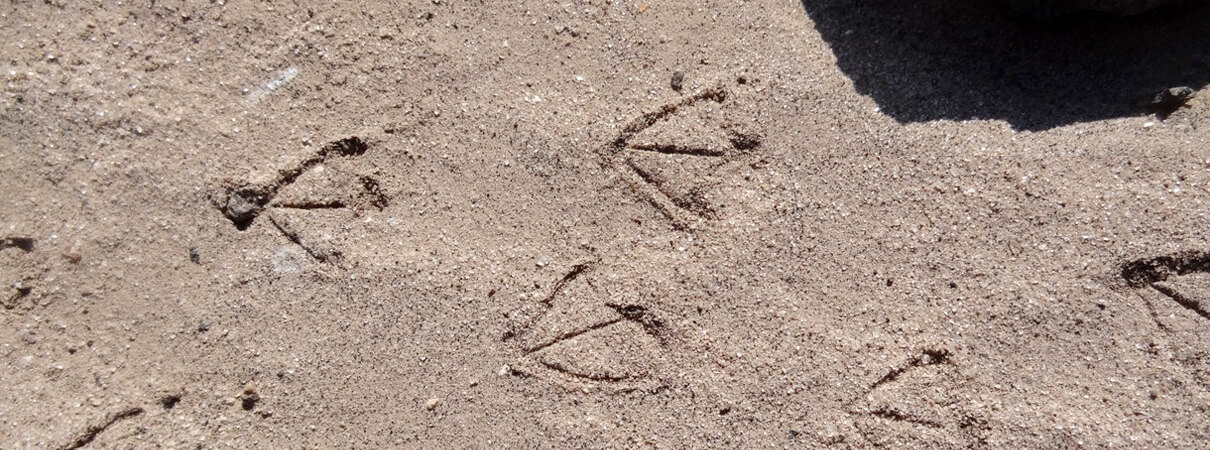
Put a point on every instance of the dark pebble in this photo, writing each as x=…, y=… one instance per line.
x=22, y=243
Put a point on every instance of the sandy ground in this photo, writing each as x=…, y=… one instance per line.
x=601, y=224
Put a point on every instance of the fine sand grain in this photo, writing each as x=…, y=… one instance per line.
x=601, y=224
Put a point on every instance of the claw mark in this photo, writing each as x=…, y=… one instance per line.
x=671, y=149
x=22, y=243
x=549, y=302
x=1155, y=316
x=243, y=203
x=927, y=358
x=575, y=272
x=716, y=94
x=559, y=368
x=900, y=416
x=744, y=142
x=328, y=205
x=642, y=183
x=17, y=296
x=1182, y=300
x=918, y=405
x=377, y=198
x=633, y=313
x=570, y=335
x=293, y=236
x=93, y=430
x=639, y=315
x=1154, y=271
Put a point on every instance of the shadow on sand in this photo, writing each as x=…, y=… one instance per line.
x=925, y=60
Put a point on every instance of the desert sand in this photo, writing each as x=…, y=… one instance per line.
x=602, y=224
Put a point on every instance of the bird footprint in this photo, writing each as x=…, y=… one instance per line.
x=1176, y=291
x=587, y=330
x=309, y=202
x=675, y=156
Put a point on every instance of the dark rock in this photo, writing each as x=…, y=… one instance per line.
x=1172, y=97
x=241, y=209
x=1167, y=101
x=244, y=204
x=678, y=80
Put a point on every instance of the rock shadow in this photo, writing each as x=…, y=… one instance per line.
x=924, y=60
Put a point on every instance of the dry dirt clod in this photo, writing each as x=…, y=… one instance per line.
x=249, y=398
x=170, y=400
x=73, y=256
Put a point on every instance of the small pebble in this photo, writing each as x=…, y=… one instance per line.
x=678, y=80
x=73, y=256
x=431, y=404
